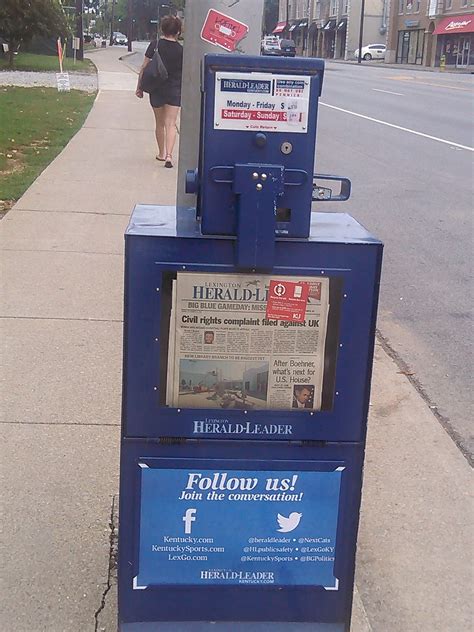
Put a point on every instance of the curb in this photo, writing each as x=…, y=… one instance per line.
x=381, y=64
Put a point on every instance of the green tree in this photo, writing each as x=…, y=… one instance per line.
x=270, y=15
x=21, y=20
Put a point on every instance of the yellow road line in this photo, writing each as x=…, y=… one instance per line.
x=427, y=83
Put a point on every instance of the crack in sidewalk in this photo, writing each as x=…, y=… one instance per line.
x=112, y=569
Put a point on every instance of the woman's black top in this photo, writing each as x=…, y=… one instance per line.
x=172, y=55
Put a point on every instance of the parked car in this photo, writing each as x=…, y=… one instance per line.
x=120, y=38
x=287, y=48
x=270, y=45
x=372, y=51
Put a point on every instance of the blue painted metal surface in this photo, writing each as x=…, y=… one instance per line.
x=302, y=469
x=227, y=147
x=296, y=603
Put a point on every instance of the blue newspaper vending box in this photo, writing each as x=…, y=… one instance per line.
x=248, y=343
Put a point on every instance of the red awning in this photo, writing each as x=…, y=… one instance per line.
x=281, y=26
x=456, y=24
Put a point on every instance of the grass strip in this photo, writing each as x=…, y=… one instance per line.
x=43, y=63
x=36, y=124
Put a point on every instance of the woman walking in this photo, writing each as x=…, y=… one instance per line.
x=166, y=101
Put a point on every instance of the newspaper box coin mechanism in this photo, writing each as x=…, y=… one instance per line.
x=249, y=334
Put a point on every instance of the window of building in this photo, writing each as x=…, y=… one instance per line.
x=464, y=3
x=333, y=7
x=400, y=6
x=448, y=5
x=416, y=6
x=346, y=6
x=318, y=11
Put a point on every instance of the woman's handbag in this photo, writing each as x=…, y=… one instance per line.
x=155, y=74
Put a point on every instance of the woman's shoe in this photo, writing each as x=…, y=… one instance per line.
x=160, y=159
x=169, y=161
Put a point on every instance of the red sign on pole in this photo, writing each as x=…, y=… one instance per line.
x=222, y=30
x=287, y=300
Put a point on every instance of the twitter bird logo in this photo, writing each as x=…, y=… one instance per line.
x=290, y=523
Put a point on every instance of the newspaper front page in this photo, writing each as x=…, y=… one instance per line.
x=225, y=353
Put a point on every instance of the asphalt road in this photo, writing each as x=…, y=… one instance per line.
x=413, y=188
x=416, y=194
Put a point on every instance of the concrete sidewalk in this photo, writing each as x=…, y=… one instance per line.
x=62, y=263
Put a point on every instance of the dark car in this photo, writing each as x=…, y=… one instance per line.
x=287, y=48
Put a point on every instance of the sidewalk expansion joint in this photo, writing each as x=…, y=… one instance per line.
x=63, y=252
x=87, y=320
x=415, y=382
x=60, y=423
x=37, y=210
x=112, y=567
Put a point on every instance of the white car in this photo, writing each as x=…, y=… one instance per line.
x=372, y=51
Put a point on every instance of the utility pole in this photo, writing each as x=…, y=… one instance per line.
x=112, y=23
x=79, y=29
x=129, y=25
x=361, y=30
x=249, y=12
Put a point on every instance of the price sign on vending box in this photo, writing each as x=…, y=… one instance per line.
x=222, y=30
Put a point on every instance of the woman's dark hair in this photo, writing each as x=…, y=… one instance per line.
x=170, y=26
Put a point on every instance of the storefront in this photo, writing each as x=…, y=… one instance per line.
x=280, y=28
x=410, y=44
x=329, y=31
x=341, y=33
x=455, y=45
x=313, y=39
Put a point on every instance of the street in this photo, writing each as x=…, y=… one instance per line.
x=412, y=186
x=416, y=194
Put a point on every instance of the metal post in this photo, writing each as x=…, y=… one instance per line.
x=112, y=23
x=129, y=26
x=249, y=12
x=361, y=31
x=79, y=29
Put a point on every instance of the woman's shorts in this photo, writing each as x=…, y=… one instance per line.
x=158, y=99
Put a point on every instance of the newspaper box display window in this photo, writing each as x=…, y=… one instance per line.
x=249, y=328
x=248, y=342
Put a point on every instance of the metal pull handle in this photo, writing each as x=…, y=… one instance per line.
x=324, y=194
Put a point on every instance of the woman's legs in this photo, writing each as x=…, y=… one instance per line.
x=170, y=116
x=160, y=130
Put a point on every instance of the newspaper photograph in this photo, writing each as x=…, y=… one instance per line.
x=241, y=341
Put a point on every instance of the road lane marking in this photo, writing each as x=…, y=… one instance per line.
x=398, y=94
x=403, y=129
x=417, y=82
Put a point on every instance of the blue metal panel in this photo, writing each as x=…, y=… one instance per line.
x=237, y=602
x=227, y=147
x=351, y=258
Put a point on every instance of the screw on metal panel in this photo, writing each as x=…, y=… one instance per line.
x=259, y=187
x=322, y=271
x=337, y=392
x=311, y=414
x=157, y=289
x=217, y=124
x=245, y=412
x=340, y=344
x=179, y=410
x=255, y=175
x=344, y=295
x=184, y=267
x=155, y=388
x=156, y=339
x=303, y=127
x=264, y=176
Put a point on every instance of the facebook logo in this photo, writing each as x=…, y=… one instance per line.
x=188, y=519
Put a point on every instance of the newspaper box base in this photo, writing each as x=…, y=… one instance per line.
x=168, y=575
x=218, y=501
